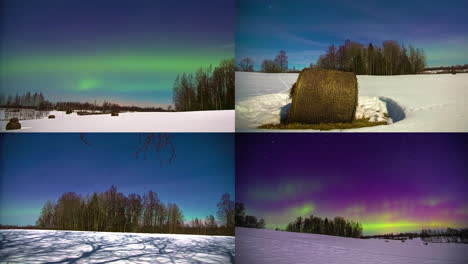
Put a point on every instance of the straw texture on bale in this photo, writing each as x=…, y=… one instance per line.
x=13, y=124
x=323, y=96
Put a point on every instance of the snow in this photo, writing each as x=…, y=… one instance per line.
x=414, y=103
x=47, y=246
x=197, y=121
x=267, y=246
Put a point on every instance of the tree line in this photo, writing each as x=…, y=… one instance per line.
x=113, y=211
x=250, y=221
x=39, y=102
x=449, y=235
x=207, y=89
x=276, y=65
x=389, y=59
x=27, y=99
x=337, y=226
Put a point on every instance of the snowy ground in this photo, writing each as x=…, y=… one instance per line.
x=415, y=103
x=45, y=246
x=266, y=246
x=199, y=121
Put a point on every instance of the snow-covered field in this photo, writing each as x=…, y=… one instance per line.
x=267, y=246
x=46, y=246
x=415, y=103
x=199, y=121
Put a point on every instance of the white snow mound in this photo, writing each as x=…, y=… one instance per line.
x=272, y=108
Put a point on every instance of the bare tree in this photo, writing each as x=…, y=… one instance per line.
x=282, y=61
x=246, y=65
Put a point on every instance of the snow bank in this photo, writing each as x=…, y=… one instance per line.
x=198, y=121
x=41, y=246
x=272, y=108
x=414, y=103
x=266, y=246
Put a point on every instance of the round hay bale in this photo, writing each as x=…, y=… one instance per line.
x=51, y=116
x=114, y=114
x=69, y=112
x=13, y=124
x=323, y=96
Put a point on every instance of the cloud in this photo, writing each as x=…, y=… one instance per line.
x=303, y=40
x=356, y=210
x=434, y=201
x=228, y=45
x=284, y=190
x=463, y=210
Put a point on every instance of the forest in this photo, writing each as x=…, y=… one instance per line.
x=337, y=226
x=244, y=220
x=113, y=211
x=390, y=59
x=207, y=89
x=449, y=235
x=37, y=101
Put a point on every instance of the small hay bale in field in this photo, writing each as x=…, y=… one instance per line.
x=13, y=124
x=323, y=96
x=51, y=116
x=115, y=114
x=69, y=112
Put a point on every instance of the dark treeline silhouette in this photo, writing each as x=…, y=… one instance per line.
x=448, y=69
x=28, y=99
x=449, y=235
x=337, y=226
x=207, y=89
x=276, y=65
x=37, y=101
x=106, y=107
x=398, y=236
x=243, y=220
x=390, y=59
x=18, y=227
x=113, y=211
x=279, y=64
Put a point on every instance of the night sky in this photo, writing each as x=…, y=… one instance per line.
x=304, y=29
x=388, y=182
x=125, y=51
x=38, y=167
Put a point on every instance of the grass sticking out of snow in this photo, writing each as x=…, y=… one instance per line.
x=357, y=123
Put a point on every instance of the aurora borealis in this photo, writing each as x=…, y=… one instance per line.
x=304, y=29
x=388, y=182
x=129, y=52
